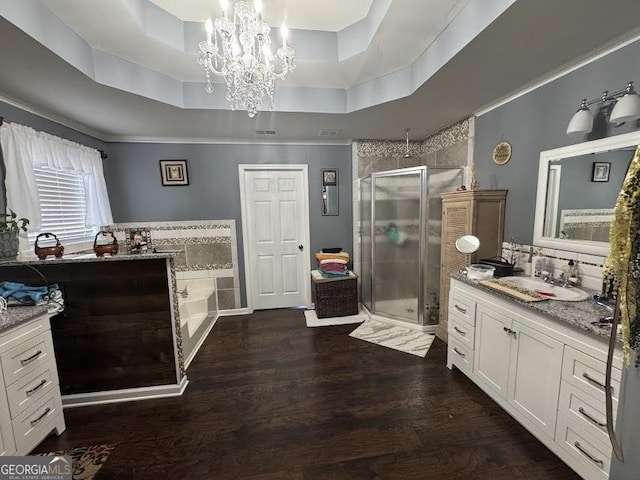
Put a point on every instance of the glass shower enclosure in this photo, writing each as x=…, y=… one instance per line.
x=400, y=226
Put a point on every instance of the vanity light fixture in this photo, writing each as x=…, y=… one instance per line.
x=621, y=106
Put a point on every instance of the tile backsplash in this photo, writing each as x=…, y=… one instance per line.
x=589, y=266
x=210, y=251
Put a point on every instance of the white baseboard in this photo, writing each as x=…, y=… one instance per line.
x=204, y=336
x=235, y=311
x=124, y=395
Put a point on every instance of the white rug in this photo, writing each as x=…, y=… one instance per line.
x=314, y=321
x=391, y=336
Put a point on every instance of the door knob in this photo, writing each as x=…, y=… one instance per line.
x=300, y=247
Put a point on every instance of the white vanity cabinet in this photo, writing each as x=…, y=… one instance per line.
x=548, y=375
x=7, y=445
x=30, y=402
x=520, y=364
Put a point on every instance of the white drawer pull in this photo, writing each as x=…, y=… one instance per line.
x=588, y=455
x=27, y=361
x=461, y=332
x=33, y=390
x=459, y=308
x=590, y=418
x=455, y=349
x=37, y=420
x=588, y=377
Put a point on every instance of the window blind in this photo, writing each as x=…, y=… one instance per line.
x=63, y=204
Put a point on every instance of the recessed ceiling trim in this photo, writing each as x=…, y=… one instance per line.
x=107, y=69
x=52, y=117
x=621, y=43
x=221, y=141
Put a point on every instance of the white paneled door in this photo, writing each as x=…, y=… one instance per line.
x=276, y=223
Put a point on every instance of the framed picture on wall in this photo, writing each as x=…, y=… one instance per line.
x=174, y=173
x=329, y=177
x=600, y=172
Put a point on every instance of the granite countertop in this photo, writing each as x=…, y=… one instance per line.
x=578, y=314
x=16, y=315
x=91, y=257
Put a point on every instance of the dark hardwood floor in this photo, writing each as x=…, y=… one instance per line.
x=271, y=399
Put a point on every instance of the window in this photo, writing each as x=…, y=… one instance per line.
x=63, y=204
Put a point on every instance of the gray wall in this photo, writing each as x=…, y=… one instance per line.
x=132, y=173
x=13, y=114
x=538, y=121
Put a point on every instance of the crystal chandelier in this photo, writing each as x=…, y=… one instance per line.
x=239, y=49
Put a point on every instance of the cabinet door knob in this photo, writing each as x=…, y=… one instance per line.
x=300, y=247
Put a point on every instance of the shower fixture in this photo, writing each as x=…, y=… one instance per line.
x=406, y=153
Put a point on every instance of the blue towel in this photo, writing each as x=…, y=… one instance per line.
x=26, y=294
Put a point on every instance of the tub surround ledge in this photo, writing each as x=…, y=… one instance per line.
x=91, y=257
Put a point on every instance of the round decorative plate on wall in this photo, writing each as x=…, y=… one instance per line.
x=502, y=153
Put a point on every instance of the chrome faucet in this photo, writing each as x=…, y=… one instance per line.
x=561, y=281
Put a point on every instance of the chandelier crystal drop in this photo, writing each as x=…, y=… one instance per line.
x=238, y=48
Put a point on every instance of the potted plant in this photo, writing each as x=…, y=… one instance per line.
x=10, y=226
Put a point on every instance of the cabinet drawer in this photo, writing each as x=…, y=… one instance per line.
x=462, y=307
x=588, y=373
x=31, y=388
x=27, y=357
x=461, y=330
x=585, y=410
x=592, y=457
x=36, y=421
x=460, y=356
x=17, y=335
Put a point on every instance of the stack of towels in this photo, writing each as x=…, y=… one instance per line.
x=333, y=265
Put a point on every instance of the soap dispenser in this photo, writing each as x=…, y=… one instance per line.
x=573, y=274
x=538, y=265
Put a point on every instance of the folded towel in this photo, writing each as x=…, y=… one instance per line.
x=330, y=256
x=333, y=267
x=334, y=260
x=334, y=274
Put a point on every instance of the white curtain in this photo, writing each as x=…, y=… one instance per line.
x=23, y=148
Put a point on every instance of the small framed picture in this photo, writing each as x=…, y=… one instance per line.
x=138, y=240
x=600, y=172
x=174, y=173
x=329, y=177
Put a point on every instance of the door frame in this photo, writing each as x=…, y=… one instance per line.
x=247, y=250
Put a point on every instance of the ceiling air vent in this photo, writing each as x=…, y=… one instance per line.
x=328, y=133
x=266, y=132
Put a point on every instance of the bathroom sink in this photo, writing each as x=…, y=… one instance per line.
x=562, y=294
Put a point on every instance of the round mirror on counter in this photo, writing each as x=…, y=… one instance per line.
x=468, y=244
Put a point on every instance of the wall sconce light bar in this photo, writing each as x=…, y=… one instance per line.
x=624, y=107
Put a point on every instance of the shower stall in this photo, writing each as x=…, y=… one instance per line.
x=400, y=226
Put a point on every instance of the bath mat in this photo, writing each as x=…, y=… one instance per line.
x=313, y=320
x=391, y=336
x=86, y=461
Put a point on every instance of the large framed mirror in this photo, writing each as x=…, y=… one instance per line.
x=577, y=189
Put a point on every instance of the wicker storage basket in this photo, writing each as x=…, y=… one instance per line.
x=335, y=297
